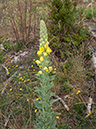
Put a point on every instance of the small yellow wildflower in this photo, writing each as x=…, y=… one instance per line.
x=20, y=88
x=8, y=61
x=23, y=76
x=2, y=91
x=27, y=80
x=89, y=112
x=8, y=72
x=33, y=59
x=78, y=92
x=48, y=50
x=64, y=70
x=16, y=66
x=37, y=99
x=35, y=110
x=13, y=80
x=39, y=53
x=46, y=69
x=31, y=65
x=37, y=62
x=27, y=100
x=54, y=68
x=50, y=67
x=41, y=49
x=7, y=93
x=64, y=65
x=11, y=89
x=41, y=58
x=13, y=66
x=45, y=54
x=33, y=69
x=46, y=46
x=33, y=92
x=57, y=117
x=39, y=66
x=51, y=107
x=24, y=80
x=68, y=97
x=40, y=72
x=20, y=77
x=9, y=68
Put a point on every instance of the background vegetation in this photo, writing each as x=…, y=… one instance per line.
x=69, y=39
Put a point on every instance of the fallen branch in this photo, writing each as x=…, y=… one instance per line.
x=7, y=120
x=5, y=69
x=89, y=107
x=64, y=104
x=10, y=79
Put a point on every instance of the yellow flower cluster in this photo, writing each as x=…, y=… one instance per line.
x=45, y=49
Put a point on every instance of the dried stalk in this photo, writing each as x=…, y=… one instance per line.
x=5, y=69
x=21, y=20
x=7, y=120
x=25, y=18
x=64, y=104
x=29, y=21
x=89, y=105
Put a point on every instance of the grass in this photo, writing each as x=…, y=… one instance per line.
x=72, y=74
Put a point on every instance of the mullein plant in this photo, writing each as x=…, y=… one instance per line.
x=45, y=116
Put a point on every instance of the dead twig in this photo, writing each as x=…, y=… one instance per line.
x=5, y=69
x=89, y=106
x=62, y=101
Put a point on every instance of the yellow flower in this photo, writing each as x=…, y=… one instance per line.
x=27, y=100
x=78, y=92
x=39, y=53
x=13, y=66
x=33, y=92
x=51, y=107
x=27, y=80
x=13, y=80
x=2, y=91
x=68, y=97
x=54, y=68
x=64, y=70
x=37, y=62
x=8, y=72
x=45, y=54
x=7, y=93
x=41, y=58
x=50, y=68
x=20, y=88
x=9, y=68
x=31, y=65
x=89, y=112
x=20, y=77
x=35, y=110
x=16, y=66
x=57, y=117
x=23, y=76
x=33, y=69
x=46, y=69
x=39, y=66
x=24, y=80
x=37, y=99
x=11, y=89
x=41, y=49
x=46, y=46
x=43, y=42
x=48, y=50
x=8, y=61
x=33, y=59
x=40, y=72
